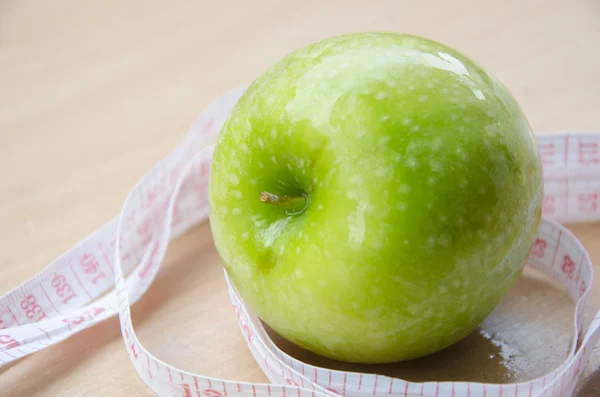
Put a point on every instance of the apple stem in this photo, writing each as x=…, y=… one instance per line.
x=294, y=203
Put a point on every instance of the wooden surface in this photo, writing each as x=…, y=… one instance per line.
x=94, y=93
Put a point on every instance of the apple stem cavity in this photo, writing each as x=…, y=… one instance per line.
x=294, y=204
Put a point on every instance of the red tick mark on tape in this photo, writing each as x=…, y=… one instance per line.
x=557, y=247
x=79, y=281
x=49, y=300
x=375, y=385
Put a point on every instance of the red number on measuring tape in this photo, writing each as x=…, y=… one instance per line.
x=538, y=248
x=186, y=390
x=212, y=393
x=568, y=267
x=547, y=151
x=549, y=205
x=90, y=265
x=8, y=341
x=32, y=310
x=589, y=153
x=63, y=288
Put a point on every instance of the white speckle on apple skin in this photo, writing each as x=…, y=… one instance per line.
x=356, y=226
x=236, y=211
x=382, y=171
x=436, y=166
x=391, y=83
x=322, y=283
x=347, y=84
x=380, y=96
x=261, y=165
x=405, y=242
x=431, y=180
x=444, y=218
x=443, y=289
x=385, y=118
x=244, y=147
x=383, y=141
x=233, y=179
x=404, y=188
x=273, y=159
x=298, y=270
x=273, y=133
x=436, y=144
x=245, y=236
x=416, y=128
x=401, y=206
x=236, y=193
x=423, y=98
x=453, y=117
x=412, y=163
x=261, y=143
x=407, y=121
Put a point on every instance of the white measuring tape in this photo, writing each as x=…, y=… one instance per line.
x=108, y=271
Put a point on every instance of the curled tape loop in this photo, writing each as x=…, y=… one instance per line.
x=109, y=270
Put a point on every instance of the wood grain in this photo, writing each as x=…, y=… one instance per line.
x=92, y=94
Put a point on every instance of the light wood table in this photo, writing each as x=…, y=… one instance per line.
x=92, y=94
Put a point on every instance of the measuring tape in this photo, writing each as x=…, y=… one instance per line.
x=111, y=269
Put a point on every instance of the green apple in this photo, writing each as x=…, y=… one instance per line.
x=374, y=196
